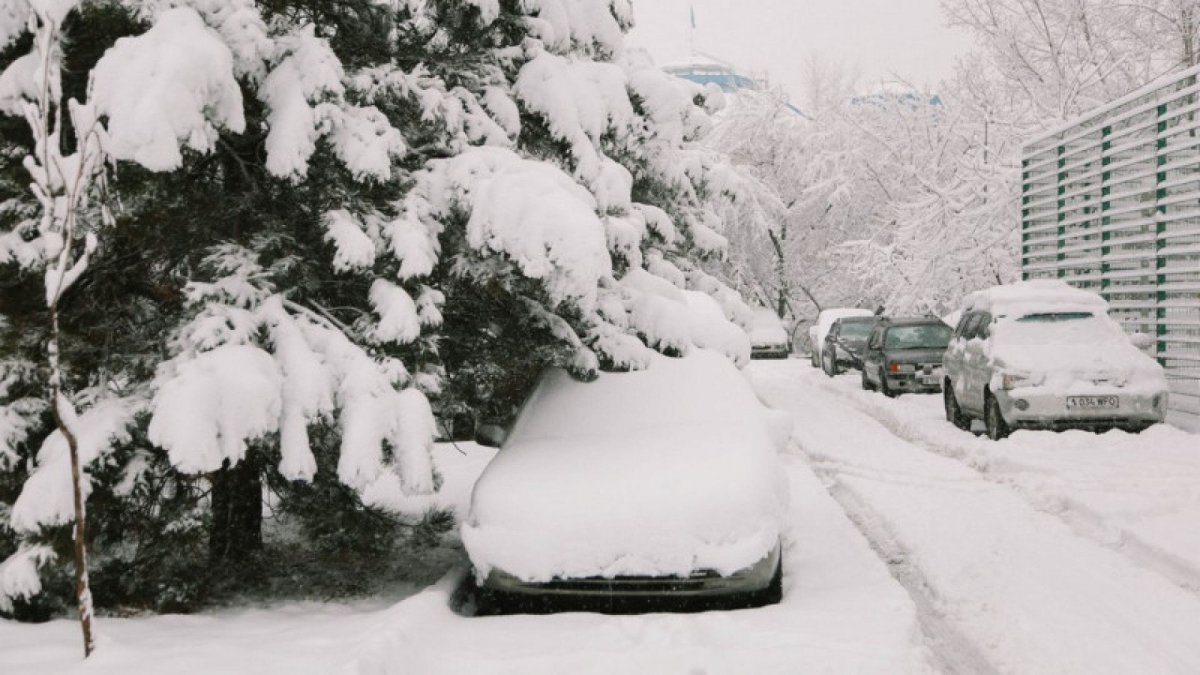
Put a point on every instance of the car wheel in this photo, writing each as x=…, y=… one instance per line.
x=954, y=413
x=997, y=428
x=831, y=365
x=884, y=387
x=866, y=381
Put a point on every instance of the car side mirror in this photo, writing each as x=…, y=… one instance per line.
x=1142, y=340
x=491, y=435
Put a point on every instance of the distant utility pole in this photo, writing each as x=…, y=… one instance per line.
x=692, y=32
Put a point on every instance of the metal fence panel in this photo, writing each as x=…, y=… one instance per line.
x=1111, y=202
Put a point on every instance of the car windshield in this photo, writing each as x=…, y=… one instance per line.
x=856, y=329
x=1059, y=328
x=920, y=336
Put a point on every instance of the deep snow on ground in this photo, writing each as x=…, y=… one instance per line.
x=841, y=612
x=1063, y=553
x=1015, y=579
x=1136, y=492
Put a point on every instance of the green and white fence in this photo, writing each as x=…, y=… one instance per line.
x=1111, y=202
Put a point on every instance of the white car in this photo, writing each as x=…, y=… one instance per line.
x=768, y=338
x=818, y=331
x=652, y=489
x=1041, y=354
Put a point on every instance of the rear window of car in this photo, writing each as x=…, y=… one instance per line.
x=856, y=329
x=920, y=336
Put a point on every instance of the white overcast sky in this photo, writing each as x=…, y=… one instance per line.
x=877, y=37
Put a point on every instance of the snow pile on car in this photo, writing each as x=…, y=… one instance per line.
x=1032, y=297
x=767, y=329
x=655, y=472
x=1084, y=354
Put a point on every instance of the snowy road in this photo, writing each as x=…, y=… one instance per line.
x=1044, y=553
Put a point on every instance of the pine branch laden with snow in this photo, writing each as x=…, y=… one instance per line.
x=227, y=387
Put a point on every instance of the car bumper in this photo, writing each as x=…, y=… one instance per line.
x=915, y=383
x=698, y=591
x=770, y=352
x=1030, y=408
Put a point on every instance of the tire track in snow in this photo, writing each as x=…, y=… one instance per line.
x=952, y=651
x=1082, y=520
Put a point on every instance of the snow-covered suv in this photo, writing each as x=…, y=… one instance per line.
x=1041, y=354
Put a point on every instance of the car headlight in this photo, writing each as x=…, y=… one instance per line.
x=1012, y=380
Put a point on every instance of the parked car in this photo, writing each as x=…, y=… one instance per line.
x=768, y=338
x=817, y=332
x=905, y=355
x=1041, y=354
x=659, y=489
x=845, y=342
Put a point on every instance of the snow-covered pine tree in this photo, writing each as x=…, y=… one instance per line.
x=422, y=200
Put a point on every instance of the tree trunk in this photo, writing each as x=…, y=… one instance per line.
x=83, y=588
x=236, y=534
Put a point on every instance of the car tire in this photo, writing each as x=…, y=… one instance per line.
x=884, y=388
x=954, y=413
x=866, y=381
x=993, y=420
x=831, y=365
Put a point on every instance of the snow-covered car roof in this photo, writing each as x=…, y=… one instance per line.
x=767, y=329
x=826, y=318
x=1030, y=297
x=653, y=472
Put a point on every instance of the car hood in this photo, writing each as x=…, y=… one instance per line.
x=656, y=502
x=1083, y=365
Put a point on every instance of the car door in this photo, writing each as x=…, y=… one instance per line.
x=976, y=364
x=952, y=361
x=873, y=354
x=830, y=346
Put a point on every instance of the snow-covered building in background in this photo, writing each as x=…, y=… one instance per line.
x=1111, y=202
x=705, y=69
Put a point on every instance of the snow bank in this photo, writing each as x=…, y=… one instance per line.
x=654, y=472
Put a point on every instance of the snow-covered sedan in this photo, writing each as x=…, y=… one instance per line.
x=658, y=489
x=768, y=338
x=818, y=331
x=1041, y=354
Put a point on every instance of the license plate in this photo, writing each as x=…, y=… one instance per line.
x=1093, y=402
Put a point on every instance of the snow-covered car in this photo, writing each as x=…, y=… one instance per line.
x=905, y=355
x=818, y=331
x=657, y=489
x=845, y=342
x=768, y=338
x=1041, y=354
